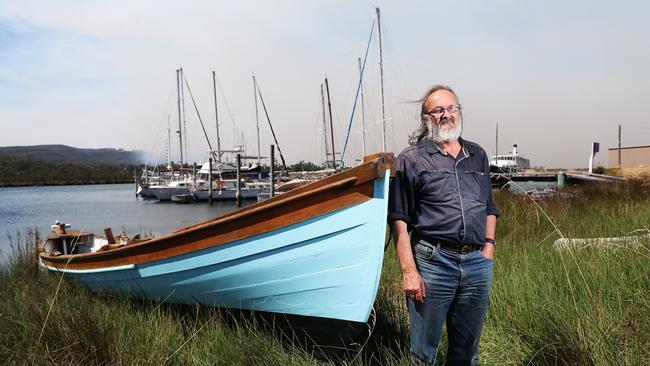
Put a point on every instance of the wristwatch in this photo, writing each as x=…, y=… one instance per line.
x=491, y=241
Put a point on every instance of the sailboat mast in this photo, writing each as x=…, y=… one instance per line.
x=180, y=115
x=184, y=118
x=216, y=115
x=496, y=146
x=322, y=97
x=257, y=123
x=169, y=140
x=329, y=105
x=363, y=116
x=381, y=79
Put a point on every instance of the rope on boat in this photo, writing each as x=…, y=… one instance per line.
x=197, y=111
x=356, y=97
x=270, y=125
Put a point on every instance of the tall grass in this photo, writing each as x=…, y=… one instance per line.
x=583, y=307
x=549, y=307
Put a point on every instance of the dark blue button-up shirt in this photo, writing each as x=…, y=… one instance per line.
x=441, y=197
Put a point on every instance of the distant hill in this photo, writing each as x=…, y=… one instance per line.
x=62, y=154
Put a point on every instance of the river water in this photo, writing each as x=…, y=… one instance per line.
x=95, y=207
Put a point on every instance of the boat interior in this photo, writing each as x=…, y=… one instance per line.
x=63, y=242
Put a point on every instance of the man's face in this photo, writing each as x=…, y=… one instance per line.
x=447, y=125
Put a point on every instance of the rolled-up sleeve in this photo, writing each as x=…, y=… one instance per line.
x=401, y=202
x=492, y=208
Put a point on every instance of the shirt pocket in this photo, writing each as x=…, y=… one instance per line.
x=436, y=185
x=476, y=185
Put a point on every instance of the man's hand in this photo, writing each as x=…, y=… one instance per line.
x=488, y=251
x=413, y=285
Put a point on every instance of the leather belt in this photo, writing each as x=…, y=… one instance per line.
x=462, y=249
x=455, y=247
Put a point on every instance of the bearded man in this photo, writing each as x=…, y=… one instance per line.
x=444, y=224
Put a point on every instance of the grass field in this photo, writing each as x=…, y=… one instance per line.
x=640, y=172
x=549, y=307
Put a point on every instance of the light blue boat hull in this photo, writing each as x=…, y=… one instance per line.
x=328, y=266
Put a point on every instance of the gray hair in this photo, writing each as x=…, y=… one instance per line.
x=423, y=131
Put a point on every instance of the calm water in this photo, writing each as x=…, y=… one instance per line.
x=95, y=207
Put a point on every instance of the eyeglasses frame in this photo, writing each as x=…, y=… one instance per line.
x=447, y=109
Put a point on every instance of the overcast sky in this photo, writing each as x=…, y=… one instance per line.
x=555, y=75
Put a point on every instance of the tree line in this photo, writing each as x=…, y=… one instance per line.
x=16, y=171
x=28, y=171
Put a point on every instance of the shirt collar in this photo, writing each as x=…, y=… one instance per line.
x=433, y=147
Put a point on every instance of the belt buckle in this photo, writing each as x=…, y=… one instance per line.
x=465, y=249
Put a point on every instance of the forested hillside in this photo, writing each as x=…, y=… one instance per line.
x=59, y=164
x=62, y=154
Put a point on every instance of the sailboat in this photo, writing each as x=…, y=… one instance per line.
x=316, y=251
x=181, y=184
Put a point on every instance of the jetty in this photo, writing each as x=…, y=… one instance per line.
x=501, y=179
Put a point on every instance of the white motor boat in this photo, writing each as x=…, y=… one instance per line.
x=226, y=190
x=166, y=192
x=510, y=163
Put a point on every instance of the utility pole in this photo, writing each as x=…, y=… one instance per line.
x=619, y=146
x=496, y=146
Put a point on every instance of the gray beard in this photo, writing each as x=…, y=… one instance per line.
x=439, y=135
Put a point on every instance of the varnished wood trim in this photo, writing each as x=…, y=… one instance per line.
x=333, y=193
x=213, y=235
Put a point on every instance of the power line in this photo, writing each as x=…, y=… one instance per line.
x=639, y=127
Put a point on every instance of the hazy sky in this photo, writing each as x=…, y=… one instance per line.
x=555, y=75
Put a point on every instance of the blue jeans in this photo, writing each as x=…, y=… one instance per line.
x=457, y=292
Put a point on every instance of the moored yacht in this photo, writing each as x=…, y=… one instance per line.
x=226, y=190
x=509, y=163
x=165, y=192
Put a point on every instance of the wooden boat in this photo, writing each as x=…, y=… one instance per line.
x=314, y=251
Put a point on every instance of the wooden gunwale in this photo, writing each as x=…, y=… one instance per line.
x=321, y=197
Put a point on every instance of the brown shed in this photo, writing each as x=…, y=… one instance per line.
x=631, y=157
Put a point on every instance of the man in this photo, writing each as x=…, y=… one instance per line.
x=441, y=194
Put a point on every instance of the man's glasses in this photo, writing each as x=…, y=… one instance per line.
x=437, y=112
